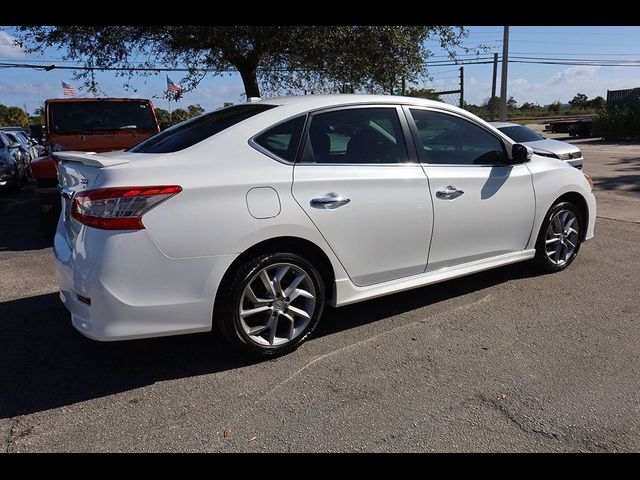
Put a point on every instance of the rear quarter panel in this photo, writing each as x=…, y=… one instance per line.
x=210, y=216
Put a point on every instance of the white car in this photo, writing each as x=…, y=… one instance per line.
x=249, y=219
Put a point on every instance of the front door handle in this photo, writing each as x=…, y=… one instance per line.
x=449, y=193
x=329, y=201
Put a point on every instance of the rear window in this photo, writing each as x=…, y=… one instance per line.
x=190, y=132
x=100, y=116
x=518, y=133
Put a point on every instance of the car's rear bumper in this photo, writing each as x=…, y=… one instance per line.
x=136, y=291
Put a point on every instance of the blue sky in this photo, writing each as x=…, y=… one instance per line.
x=535, y=83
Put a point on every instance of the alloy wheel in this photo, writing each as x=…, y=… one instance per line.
x=277, y=304
x=562, y=237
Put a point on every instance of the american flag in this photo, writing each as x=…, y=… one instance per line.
x=173, y=87
x=68, y=90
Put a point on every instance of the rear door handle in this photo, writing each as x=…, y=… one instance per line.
x=330, y=201
x=449, y=193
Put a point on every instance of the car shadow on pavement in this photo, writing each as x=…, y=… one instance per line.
x=47, y=364
x=20, y=221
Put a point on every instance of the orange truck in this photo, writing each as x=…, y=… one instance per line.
x=88, y=125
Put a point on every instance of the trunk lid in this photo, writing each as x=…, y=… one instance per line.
x=78, y=171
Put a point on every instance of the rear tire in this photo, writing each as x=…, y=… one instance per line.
x=270, y=305
x=559, y=238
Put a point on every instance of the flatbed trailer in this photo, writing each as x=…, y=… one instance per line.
x=577, y=127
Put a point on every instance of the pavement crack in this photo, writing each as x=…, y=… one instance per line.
x=514, y=419
x=484, y=299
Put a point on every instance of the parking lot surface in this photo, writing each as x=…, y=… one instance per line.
x=504, y=360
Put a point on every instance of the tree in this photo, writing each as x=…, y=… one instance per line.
x=579, y=101
x=195, y=110
x=511, y=103
x=38, y=116
x=427, y=93
x=597, y=103
x=279, y=57
x=13, y=117
x=554, y=107
x=162, y=115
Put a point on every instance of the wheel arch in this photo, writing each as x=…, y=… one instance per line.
x=579, y=201
x=289, y=244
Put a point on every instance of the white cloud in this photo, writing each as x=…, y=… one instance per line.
x=7, y=48
x=593, y=81
x=573, y=75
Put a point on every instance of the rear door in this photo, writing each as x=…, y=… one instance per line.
x=359, y=181
x=482, y=207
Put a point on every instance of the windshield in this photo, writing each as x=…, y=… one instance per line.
x=100, y=116
x=519, y=134
x=190, y=132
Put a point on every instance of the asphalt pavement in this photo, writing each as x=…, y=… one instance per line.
x=504, y=360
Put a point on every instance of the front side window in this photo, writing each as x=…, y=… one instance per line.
x=283, y=140
x=195, y=130
x=356, y=135
x=450, y=140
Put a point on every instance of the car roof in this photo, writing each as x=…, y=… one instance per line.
x=504, y=124
x=310, y=102
x=98, y=99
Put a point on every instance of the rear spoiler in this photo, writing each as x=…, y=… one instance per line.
x=89, y=158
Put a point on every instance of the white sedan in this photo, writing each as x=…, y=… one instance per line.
x=249, y=219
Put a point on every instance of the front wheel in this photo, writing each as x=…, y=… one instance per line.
x=271, y=305
x=559, y=238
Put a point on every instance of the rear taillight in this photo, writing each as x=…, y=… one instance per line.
x=119, y=208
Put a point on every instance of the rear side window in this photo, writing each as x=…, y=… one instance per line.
x=283, y=140
x=190, y=132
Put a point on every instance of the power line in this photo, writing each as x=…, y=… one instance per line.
x=574, y=53
x=632, y=60
x=608, y=45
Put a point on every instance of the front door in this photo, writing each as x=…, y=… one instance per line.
x=358, y=185
x=482, y=207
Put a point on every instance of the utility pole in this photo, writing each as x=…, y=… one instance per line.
x=404, y=86
x=503, y=76
x=492, y=103
x=461, y=87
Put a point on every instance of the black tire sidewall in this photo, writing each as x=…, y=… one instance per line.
x=541, y=256
x=228, y=317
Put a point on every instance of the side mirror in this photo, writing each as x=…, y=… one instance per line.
x=164, y=125
x=15, y=145
x=521, y=153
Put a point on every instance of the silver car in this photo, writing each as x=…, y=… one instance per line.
x=542, y=146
